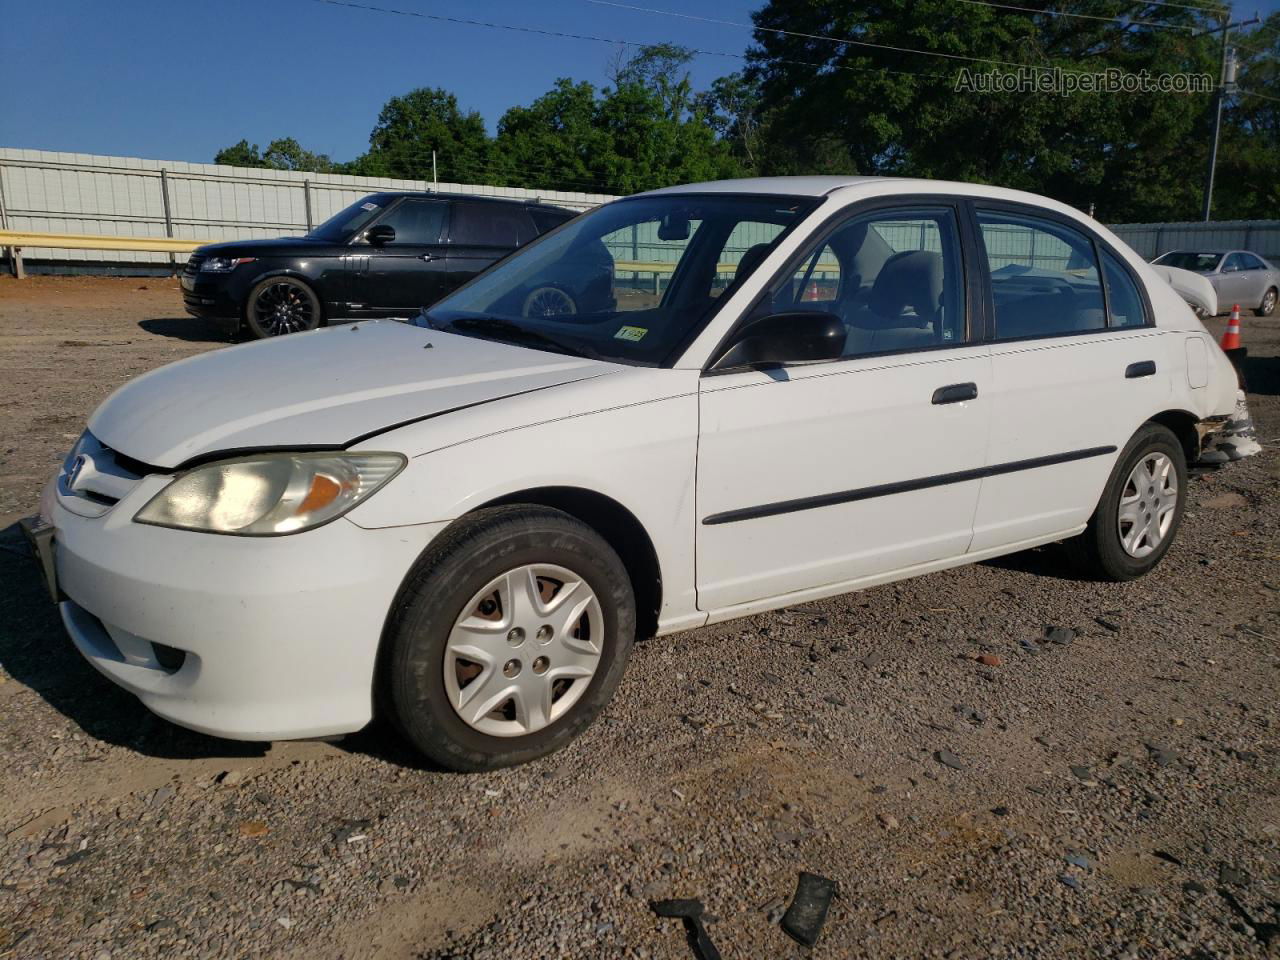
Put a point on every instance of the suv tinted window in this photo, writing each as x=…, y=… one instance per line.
x=1123, y=298
x=544, y=219
x=490, y=225
x=1044, y=277
x=416, y=221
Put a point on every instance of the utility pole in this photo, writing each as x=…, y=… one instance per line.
x=435, y=181
x=1226, y=80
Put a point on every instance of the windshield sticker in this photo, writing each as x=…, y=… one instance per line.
x=368, y=206
x=634, y=334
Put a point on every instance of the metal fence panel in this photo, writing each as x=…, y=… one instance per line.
x=1152, y=239
x=48, y=191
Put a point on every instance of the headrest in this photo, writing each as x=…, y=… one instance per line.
x=751, y=259
x=912, y=278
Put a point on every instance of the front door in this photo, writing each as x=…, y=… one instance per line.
x=819, y=474
x=403, y=275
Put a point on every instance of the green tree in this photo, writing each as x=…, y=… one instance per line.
x=282, y=154
x=411, y=126
x=242, y=154
x=847, y=107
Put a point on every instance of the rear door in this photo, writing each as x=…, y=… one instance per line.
x=1076, y=367
x=1234, y=283
x=408, y=273
x=483, y=232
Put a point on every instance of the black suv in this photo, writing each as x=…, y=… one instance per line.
x=386, y=255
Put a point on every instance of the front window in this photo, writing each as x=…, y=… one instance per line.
x=345, y=223
x=631, y=281
x=1186, y=260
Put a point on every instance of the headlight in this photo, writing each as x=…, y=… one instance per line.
x=223, y=264
x=271, y=494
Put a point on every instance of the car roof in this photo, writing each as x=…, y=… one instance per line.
x=520, y=201
x=852, y=187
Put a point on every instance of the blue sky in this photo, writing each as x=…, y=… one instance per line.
x=178, y=81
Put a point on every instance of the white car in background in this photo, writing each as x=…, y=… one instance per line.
x=466, y=521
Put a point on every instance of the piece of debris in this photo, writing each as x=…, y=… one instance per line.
x=253, y=828
x=1233, y=876
x=808, y=910
x=1061, y=636
x=229, y=778
x=1107, y=624
x=1070, y=881
x=690, y=911
x=1162, y=755
x=949, y=759
x=1167, y=857
x=1082, y=773
x=887, y=820
x=1000, y=811
x=990, y=659
x=1263, y=930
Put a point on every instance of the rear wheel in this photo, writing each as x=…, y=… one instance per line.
x=280, y=305
x=548, y=302
x=1140, y=510
x=1268, y=305
x=509, y=638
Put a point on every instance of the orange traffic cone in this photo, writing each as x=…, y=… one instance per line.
x=1231, y=339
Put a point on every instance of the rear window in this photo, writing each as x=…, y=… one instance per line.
x=491, y=225
x=545, y=220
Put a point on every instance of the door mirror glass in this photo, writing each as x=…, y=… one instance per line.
x=382, y=233
x=785, y=338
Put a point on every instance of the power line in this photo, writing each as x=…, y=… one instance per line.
x=1260, y=96
x=614, y=41
x=1124, y=21
x=849, y=41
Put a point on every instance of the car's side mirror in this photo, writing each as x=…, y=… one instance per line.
x=382, y=233
x=795, y=337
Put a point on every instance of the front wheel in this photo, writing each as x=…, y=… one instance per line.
x=509, y=638
x=1140, y=510
x=280, y=305
x=1268, y=305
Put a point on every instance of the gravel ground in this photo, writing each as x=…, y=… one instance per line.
x=1107, y=791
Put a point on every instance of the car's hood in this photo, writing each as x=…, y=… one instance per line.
x=323, y=389
x=265, y=247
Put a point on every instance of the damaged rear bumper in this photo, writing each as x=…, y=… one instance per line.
x=1230, y=438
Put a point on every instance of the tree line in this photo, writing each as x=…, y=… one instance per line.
x=829, y=87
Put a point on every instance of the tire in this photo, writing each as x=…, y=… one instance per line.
x=548, y=302
x=1101, y=551
x=1268, y=305
x=441, y=616
x=280, y=305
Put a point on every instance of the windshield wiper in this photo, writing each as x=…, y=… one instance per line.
x=513, y=331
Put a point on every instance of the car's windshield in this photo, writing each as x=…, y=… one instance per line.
x=1186, y=260
x=346, y=222
x=630, y=281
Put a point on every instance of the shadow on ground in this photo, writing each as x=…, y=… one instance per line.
x=192, y=329
x=36, y=652
x=1262, y=374
x=1053, y=561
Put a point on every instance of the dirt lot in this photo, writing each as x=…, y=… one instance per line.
x=1115, y=794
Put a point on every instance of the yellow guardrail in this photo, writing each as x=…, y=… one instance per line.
x=89, y=241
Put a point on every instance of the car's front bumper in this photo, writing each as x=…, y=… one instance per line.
x=207, y=296
x=278, y=636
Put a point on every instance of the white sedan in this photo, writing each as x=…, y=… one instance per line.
x=682, y=407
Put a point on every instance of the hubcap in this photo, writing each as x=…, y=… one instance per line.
x=523, y=650
x=1147, y=505
x=548, y=302
x=283, y=308
x=1269, y=301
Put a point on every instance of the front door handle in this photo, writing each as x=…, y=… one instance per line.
x=956, y=393
x=428, y=257
x=1145, y=368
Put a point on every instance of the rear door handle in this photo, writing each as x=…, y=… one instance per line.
x=1144, y=368
x=427, y=257
x=956, y=393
